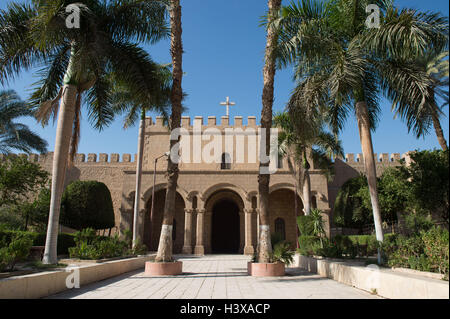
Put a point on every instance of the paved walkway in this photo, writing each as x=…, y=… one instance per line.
x=217, y=277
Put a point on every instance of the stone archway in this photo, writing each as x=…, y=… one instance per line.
x=225, y=237
x=152, y=226
x=282, y=213
x=224, y=222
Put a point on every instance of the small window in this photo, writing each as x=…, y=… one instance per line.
x=226, y=161
x=254, y=202
x=280, y=228
x=194, y=202
x=174, y=230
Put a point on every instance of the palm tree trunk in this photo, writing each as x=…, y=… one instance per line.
x=176, y=47
x=307, y=192
x=137, y=195
x=438, y=129
x=265, y=246
x=60, y=158
x=362, y=115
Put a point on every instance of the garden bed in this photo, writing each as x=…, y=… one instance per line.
x=96, y=261
x=386, y=282
x=46, y=283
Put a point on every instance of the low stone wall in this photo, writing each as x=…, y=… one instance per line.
x=44, y=284
x=387, y=283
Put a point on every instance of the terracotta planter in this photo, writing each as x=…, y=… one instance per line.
x=163, y=269
x=266, y=269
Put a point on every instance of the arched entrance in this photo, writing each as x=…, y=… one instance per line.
x=152, y=226
x=225, y=238
x=283, y=214
x=224, y=223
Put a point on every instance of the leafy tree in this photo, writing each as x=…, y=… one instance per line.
x=87, y=204
x=36, y=212
x=13, y=135
x=302, y=136
x=80, y=64
x=419, y=189
x=158, y=101
x=164, y=253
x=20, y=179
x=349, y=210
x=393, y=194
x=264, y=249
x=428, y=183
x=350, y=65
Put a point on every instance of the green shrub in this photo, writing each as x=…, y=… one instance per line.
x=139, y=248
x=345, y=246
x=87, y=204
x=329, y=249
x=17, y=250
x=305, y=225
x=7, y=236
x=308, y=245
x=436, y=242
x=427, y=251
x=282, y=253
x=91, y=246
x=64, y=241
x=418, y=222
x=276, y=238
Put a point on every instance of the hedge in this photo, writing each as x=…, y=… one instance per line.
x=87, y=204
x=65, y=241
x=308, y=245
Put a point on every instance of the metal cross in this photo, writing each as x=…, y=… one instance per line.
x=228, y=104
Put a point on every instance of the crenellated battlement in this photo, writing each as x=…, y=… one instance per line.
x=80, y=158
x=210, y=121
x=351, y=158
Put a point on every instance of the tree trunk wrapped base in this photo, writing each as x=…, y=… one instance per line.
x=163, y=268
x=266, y=269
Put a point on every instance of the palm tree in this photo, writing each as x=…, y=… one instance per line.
x=264, y=244
x=176, y=48
x=159, y=101
x=298, y=143
x=79, y=62
x=418, y=105
x=15, y=135
x=330, y=43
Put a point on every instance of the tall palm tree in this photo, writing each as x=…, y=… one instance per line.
x=79, y=62
x=264, y=244
x=298, y=143
x=13, y=135
x=158, y=101
x=176, y=49
x=329, y=42
x=418, y=105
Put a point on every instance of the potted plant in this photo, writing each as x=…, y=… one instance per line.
x=280, y=257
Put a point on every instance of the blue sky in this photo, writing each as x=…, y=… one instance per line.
x=224, y=50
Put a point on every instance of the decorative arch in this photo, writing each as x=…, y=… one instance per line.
x=148, y=193
x=222, y=187
x=224, y=221
x=288, y=186
x=224, y=194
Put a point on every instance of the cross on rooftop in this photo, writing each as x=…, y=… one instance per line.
x=227, y=103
